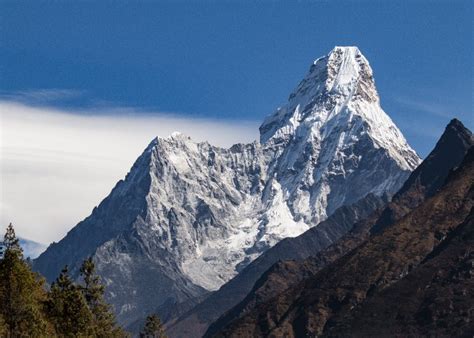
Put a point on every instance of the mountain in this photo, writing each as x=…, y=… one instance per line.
x=332, y=131
x=229, y=301
x=430, y=174
x=435, y=299
x=189, y=216
x=382, y=268
x=31, y=249
x=195, y=322
x=447, y=155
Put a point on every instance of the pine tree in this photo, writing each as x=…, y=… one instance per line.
x=103, y=317
x=11, y=242
x=22, y=293
x=153, y=328
x=67, y=308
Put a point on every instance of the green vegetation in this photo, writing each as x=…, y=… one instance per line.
x=22, y=293
x=153, y=328
x=67, y=309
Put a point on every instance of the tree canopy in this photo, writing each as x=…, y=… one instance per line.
x=22, y=292
x=67, y=309
x=153, y=328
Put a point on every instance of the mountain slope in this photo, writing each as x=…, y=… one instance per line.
x=189, y=216
x=332, y=130
x=440, y=162
x=313, y=305
x=435, y=299
x=430, y=174
x=195, y=322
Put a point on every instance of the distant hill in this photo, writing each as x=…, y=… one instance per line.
x=32, y=249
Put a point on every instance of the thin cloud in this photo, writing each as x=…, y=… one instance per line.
x=431, y=108
x=429, y=132
x=40, y=96
x=56, y=165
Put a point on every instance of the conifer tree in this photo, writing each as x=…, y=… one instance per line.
x=11, y=242
x=67, y=308
x=22, y=293
x=153, y=328
x=103, y=318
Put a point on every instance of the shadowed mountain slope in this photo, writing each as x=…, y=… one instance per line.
x=312, y=306
x=285, y=274
x=435, y=299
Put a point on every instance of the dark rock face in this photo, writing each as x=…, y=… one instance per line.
x=434, y=299
x=195, y=322
x=370, y=274
x=430, y=175
x=449, y=150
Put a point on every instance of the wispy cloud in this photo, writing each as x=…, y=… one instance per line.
x=429, y=107
x=40, y=96
x=56, y=165
x=429, y=132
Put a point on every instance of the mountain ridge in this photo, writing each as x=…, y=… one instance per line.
x=282, y=275
x=190, y=216
x=331, y=295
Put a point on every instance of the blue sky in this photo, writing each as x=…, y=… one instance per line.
x=237, y=59
x=84, y=86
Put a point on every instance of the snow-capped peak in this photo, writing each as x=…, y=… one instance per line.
x=341, y=72
x=338, y=92
x=347, y=67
